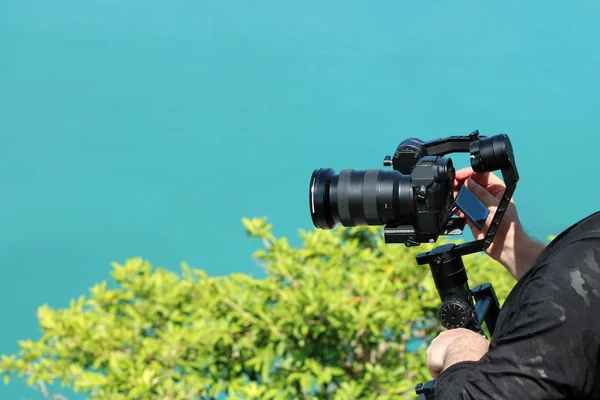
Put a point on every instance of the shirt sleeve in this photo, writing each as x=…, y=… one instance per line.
x=547, y=347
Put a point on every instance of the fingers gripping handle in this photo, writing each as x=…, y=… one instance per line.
x=490, y=154
x=487, y=154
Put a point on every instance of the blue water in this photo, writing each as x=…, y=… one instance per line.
x=150, y=128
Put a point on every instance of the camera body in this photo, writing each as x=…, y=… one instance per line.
x=431, y=181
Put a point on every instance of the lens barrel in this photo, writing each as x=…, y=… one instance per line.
x=359, y=197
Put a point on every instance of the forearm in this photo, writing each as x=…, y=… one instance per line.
x=526, y=250
x=526, y=256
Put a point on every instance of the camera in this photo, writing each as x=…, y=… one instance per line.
x=415, y=199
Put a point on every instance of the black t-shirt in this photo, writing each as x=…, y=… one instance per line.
x=547, y=339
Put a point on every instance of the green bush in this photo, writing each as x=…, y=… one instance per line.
x=331, y=320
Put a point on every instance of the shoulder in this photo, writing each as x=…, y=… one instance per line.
x=564, y=281
x=564, y=289
x=588, y=227
x=575, y=251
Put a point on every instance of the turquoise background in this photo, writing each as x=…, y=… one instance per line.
x=150, y=128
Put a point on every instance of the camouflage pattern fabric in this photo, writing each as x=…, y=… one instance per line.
x=547, y=340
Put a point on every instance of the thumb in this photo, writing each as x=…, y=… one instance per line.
x=482, y=194
x=435, y=362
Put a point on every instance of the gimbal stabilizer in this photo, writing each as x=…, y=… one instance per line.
x=457, y=309
x=416, y=204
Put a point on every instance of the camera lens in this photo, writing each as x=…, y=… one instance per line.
x=354, y=197
x=319, y=198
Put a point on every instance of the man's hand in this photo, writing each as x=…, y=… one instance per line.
x=454, y=346
x=512, y=246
